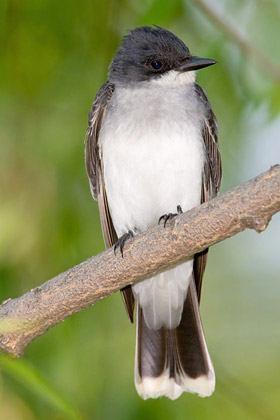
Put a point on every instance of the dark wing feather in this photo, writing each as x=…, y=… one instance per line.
x=211, y=179
x=95, y=118
x=94, y=169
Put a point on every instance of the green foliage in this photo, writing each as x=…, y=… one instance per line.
x=30, y=378
x=53, y=58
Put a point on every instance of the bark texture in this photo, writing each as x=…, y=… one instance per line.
x=248, y=206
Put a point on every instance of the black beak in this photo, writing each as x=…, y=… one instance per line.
x=195, y=63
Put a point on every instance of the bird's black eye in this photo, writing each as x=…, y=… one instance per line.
x=156, y=64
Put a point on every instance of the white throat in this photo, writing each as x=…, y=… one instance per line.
x=175, y=78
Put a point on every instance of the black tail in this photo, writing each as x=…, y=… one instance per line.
x=169, y=362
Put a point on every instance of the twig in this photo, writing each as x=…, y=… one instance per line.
x=263, y=62
x=248, y=206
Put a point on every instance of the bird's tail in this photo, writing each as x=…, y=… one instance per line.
x=169, y=362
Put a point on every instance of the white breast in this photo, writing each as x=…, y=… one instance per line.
x=153, y=154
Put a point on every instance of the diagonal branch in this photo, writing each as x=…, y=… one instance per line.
x=262, y=60
x=248, y=206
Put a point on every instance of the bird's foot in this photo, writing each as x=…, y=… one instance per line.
x=169, y=216
x=122, y=240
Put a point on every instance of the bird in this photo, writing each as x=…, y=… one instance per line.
x=151, y=153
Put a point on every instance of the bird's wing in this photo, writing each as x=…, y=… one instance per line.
x=94, y=169
x=212, y=173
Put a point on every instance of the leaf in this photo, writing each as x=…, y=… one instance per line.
x=27, y=374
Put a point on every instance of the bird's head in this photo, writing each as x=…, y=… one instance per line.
x=148, y=54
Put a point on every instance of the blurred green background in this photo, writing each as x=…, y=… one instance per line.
x=54, y=56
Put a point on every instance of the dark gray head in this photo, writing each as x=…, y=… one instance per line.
x=147, y=53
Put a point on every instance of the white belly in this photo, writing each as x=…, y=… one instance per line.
x=153, y=159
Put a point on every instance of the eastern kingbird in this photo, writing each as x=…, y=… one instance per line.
x=152, y=149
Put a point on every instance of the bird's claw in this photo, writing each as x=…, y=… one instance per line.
x=170, y=216
x=121, y=242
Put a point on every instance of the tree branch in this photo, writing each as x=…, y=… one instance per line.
x=248, y=206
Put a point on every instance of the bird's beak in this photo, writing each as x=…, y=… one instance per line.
x=195, y=63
